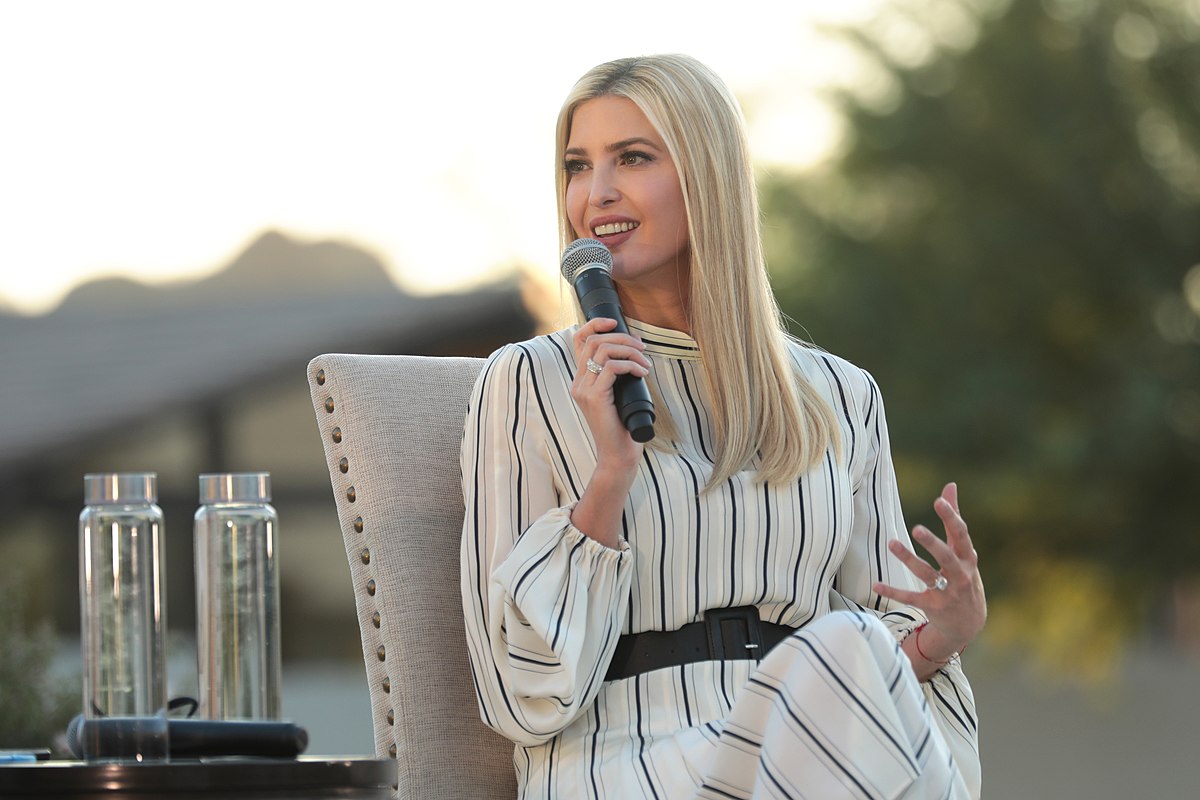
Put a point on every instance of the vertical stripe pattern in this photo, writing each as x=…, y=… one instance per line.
x=544, y=604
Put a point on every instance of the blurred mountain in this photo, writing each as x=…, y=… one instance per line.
x=272, y=265
x=118, y=352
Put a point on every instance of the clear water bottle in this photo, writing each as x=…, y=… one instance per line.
x=123, y=617
x=237, y=598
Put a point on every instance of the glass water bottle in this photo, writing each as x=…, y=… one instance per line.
x=123, y=619
x=237, y=598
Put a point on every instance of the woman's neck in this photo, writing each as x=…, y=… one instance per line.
x=661, y=308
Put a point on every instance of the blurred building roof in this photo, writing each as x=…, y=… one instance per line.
x=117, y=352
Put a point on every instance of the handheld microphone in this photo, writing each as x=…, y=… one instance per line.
x=191, y=738
x=587, y=265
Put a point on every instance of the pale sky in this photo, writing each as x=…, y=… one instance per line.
x=157, y=139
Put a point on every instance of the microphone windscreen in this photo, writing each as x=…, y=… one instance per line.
x=585, y=253
x=73, y=736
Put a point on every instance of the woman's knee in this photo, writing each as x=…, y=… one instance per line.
x=849, y=623
x=847, y=631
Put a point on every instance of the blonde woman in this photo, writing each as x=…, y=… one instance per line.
x=733, y=610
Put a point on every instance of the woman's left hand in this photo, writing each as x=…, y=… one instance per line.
x=957, y=610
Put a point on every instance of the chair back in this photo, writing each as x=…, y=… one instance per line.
x=392, y=429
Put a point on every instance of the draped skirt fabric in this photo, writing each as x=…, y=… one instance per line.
x=834, y=711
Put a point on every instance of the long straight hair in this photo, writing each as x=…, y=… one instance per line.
x=760, y=403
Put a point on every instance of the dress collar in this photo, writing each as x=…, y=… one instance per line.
x=664, y=341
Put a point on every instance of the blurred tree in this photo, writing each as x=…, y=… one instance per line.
x=35, y=706
x=1009, y=241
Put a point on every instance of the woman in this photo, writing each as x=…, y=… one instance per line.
x=620, y=599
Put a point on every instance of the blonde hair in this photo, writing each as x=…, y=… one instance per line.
x=760, y=403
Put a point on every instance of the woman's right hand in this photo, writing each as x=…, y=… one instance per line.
x=598, y=512
x=616, y=354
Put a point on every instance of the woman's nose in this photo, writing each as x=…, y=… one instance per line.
x=604, y=190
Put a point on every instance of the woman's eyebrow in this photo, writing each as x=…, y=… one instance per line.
x=614, y=147
x=621, y=145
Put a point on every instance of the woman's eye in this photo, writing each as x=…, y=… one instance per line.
x=574, y=166
x=634, y=158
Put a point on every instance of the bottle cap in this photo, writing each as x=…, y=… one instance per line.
x=117, y=488
x=235, y=487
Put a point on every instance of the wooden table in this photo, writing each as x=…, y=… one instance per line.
x=204, y=779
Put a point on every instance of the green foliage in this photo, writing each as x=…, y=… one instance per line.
x=35, y=707
x=1005, y=242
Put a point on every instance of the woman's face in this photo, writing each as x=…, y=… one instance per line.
x=622, y=188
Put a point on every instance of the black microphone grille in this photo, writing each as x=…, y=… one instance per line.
x=584, y=253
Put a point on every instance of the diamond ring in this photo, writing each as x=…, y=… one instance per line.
x=593, y=367
x=940, y=584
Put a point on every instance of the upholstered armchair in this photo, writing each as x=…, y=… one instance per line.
x=392, y=426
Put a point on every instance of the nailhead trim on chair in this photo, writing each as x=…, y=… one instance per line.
x=338, y=437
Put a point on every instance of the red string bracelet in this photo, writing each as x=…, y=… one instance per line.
x=917, y=643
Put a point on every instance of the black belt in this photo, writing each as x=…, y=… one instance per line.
x=723, y=634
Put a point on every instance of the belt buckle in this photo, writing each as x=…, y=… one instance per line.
x=734, y=633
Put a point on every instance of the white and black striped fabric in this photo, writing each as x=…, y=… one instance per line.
x=834, y=711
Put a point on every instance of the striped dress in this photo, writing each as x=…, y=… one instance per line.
x=834, y=711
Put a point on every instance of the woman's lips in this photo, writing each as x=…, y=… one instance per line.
x=614, y=231
x=613, y=227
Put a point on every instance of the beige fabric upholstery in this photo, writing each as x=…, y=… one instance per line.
x=392, y=426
